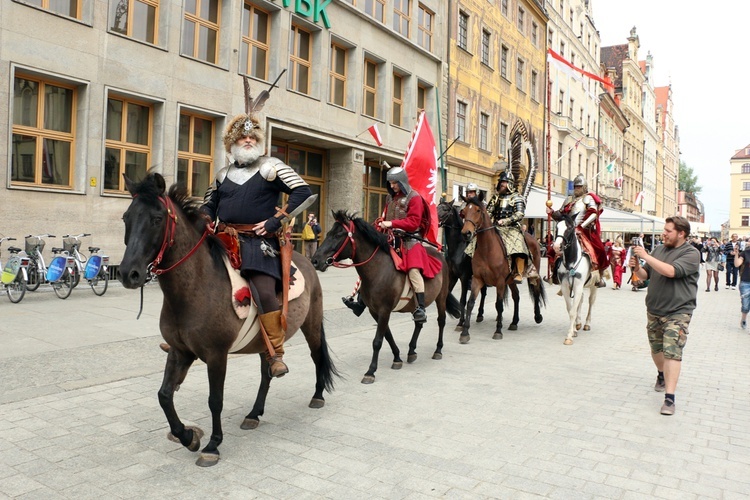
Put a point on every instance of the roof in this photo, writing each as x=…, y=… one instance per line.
x=612, y=57
x=742, y=154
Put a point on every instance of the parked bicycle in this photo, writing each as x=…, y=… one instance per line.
x=59, y=274
x=93, y=268
x=14, y=272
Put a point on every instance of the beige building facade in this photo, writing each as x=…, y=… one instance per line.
x=739, y=193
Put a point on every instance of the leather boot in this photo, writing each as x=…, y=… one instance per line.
x=272, y=324
x=357, y=306
x=555, y=277
x=520, y=266
x=419, y=315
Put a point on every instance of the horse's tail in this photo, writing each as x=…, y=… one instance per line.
x=326, y=370
x=537, y=291
x=453, y=306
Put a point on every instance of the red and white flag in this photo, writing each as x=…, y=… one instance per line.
x=376, y=134
x=570, y=69
x=421, y=166
x=618, y=183
x=639, y=198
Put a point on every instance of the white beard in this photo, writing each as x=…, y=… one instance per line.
x=245, y=156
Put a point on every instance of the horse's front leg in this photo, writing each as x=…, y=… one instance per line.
x=217, y=372
x=475, y=289
x=175, y=371
x=592, y=299
x=516, y=301
x=480, y=311
x=252, y=419
x=441, y=305
x=377, y=342
x=465, y=287
x=412, y=356
x=572, y=304
x=499, y=308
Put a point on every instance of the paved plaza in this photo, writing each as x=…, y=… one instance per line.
x=520, y=417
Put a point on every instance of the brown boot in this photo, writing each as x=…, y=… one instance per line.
x=520, y=266
x=272, y=324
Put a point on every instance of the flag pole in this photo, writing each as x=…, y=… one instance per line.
x=449, y=146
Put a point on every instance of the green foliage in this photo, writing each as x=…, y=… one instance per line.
x=688, y=180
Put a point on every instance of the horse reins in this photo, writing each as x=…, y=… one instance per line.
x=350, y=228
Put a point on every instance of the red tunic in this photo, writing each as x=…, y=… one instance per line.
x=414, y=254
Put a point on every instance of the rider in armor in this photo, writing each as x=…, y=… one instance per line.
x=507, y=208
x=243, y=200
x=407, y=211
x=583, y=207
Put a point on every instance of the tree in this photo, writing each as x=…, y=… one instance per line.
x=688, y=180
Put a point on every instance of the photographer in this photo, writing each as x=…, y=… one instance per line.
x=310, y=235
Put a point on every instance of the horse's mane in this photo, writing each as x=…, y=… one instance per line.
x=365, y=228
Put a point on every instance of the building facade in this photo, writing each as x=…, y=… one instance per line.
x=650, y=138
x=670, y=140
x=739, y=197
x=94, y=89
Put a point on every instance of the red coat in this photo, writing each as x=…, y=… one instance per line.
x=413, y=253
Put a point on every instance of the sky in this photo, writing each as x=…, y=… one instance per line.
x=702, y=52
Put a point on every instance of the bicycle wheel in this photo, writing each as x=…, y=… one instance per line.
x=16, y=290
x=34, y=278
x=99, y=283
x=64, y=285
x=76, y=276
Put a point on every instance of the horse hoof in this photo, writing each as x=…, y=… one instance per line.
x=538, y=318
x=578, y=326
x=568, y=342
x=197, y=435
x=480, y=318
x=368, y=379
x=397, y=365
x=411, y=358
x=464, y=339
x=250, y=423
x=497, y=336
x=459, y=327
x=437, y=355
x=586, y=328
x=513, y=327
x=207, y=460
x=317, y=403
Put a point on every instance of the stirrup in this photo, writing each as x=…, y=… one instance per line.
x=419, y=315
x=277, y=368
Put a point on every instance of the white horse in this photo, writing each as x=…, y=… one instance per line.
x=575, y=275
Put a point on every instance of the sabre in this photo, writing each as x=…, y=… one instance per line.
x=301, y=208
x=409, y=235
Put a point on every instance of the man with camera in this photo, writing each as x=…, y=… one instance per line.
x=730, y=249
x=310, y=235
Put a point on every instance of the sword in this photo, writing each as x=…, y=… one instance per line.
x=301, y=208
x=404, y=234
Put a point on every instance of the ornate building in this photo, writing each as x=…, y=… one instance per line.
x=670, y=140
x=739, y=198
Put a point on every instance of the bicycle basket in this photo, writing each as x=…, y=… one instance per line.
x=70, y=243
x=32, y=242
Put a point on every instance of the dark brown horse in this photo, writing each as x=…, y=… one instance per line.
x=165, y=234
x=382, y=284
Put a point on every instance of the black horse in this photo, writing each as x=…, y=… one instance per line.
x=166, y=234
x=382, y=284
x=458, y=262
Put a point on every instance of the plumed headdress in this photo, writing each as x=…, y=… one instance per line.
x=248, y=123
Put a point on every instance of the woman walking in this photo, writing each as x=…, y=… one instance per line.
x=712, y=259
x=617, y=262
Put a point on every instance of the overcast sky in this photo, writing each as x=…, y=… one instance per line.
x=702, y=50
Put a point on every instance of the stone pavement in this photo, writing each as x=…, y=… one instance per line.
x=520, y=417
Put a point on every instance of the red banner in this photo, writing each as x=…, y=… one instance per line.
x=561, y=60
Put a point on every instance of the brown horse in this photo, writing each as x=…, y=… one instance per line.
x=382, y=284
x=166, y=235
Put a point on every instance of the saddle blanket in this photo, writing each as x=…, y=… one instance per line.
x=248, y=311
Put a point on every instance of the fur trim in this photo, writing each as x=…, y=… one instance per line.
x=236, y=129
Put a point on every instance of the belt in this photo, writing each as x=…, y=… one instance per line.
x=243, y=229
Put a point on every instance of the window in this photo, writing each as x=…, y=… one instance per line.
x=562, y=49
x=128, y=142
x=195, y=153
x=571, y=17
x=375, y=9
x=533, y=90
x=463, y=30
x=745, y=220
x=255, y=40
x=550, y=38
x=746, y=186
x=300, y=59
x=370, y=88
x=746, y=168
x=398, y=100
x=401, y=16
x=484, y=123
x=520, y=71
x=570, y=109
x=424, y=36
x=745, y=202
x=504, y=140
x=70, y=8
x=461, y=121
x=521, y=19
x=560, y=103
x=534, y=34
x=44, y=115
x=339, y=56
x=137, y=19
x=504, y=7
x=200, y=30
x=504, y=61
x=421, y=98
x=486, y=47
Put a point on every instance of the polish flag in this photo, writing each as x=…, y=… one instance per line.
x=376, y=134
x=618, y=183
x=570, y=69
x=421, y=166
x=639, y=198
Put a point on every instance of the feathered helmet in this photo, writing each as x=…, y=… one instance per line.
x=248, y=124
x=579, y=181
x=507, y=176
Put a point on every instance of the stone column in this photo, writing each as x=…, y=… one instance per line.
x=344, y=181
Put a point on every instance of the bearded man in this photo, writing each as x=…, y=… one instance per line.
x=244, y=196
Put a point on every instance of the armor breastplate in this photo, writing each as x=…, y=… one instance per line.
x=505, y=206
x=398, y=207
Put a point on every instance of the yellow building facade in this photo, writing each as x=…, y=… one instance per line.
x=496, y=75
x=739, y=198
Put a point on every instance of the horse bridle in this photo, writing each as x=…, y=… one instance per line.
x=169, y=231
x=350, y=228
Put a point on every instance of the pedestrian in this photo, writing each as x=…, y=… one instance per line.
x=617, y=262
x=310, y=235
x=729, y=251
x=742, y=261
x=712, y=258
x=673, y=270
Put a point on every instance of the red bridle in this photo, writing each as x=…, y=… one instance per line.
x=169, y=230
x=349, y=226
